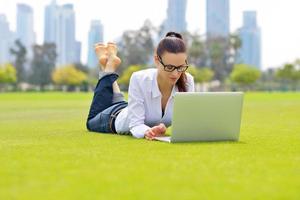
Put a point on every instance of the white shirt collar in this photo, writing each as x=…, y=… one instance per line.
x=155, y=90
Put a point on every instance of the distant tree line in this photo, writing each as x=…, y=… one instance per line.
x=210, y=60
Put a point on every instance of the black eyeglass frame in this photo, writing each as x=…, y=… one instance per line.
x=173, y=67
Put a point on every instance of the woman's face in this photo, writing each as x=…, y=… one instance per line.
x=170, y=59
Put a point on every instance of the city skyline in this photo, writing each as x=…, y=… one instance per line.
x=274, y=26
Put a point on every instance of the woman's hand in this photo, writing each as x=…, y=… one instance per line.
x=155, y=131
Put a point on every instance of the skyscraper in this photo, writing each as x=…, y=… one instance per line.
x=250, y=34
x=217, y=18
x=176, y=17
x=95, y=36
x=60, y=29
x=66, y=35
x=25, y=32
x=77, y=52
x=6, y=40
x=50, y=22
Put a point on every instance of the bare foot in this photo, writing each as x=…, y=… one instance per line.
x=112, y=48
x=113, y=60
x=102, y=54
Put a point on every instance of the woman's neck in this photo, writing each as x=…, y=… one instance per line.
x=164, y=87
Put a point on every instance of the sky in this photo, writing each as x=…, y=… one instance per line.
x=278, y=20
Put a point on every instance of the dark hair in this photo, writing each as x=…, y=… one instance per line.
x=173, y=43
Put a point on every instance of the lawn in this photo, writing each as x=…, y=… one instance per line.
x=47, y=153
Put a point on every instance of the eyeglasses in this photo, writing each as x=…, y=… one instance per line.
x=170, y=68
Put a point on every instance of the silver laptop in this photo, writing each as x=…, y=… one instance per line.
x=206, y=116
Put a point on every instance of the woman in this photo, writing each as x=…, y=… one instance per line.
x=150, y=94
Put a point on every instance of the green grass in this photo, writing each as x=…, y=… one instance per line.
x=46, y=153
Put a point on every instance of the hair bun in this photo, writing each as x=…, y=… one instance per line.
x=174, y=34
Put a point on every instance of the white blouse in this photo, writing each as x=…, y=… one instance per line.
x=144, y=104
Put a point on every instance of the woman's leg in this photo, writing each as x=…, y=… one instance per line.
x=103, y=94
x=107, y=85
x=106, y=95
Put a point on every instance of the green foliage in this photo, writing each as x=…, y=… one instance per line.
x=20, y=59
x=83, y=68
x=68, y=75
x=289, y=72
x=244, y=75
x=217, y=49
x=136, y=46
x=43, y=64
x=7, y=73
x=125, y=78
x=196, y=49
x=201, y=75
x=289, y=75
x=218, y=53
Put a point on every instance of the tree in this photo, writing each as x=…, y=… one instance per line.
x=235, y=44
x=136, y=46
x=217, y=49
x=201, y=75
x=297, y=64
x=289, y=74
x=43, y=64
x=69, y=76
x=196, y=49
x=268, y=81
x=20, y=60
x=205, y=75
x=7, y=75
x=90, y=80
x=244, y=75
x=222, y=54
x=82, y=67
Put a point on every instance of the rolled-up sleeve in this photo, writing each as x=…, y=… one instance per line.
x=136, y=109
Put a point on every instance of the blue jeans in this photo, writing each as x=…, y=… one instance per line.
x=103, y=110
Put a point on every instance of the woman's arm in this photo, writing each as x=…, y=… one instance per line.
x=156, y=131
x=136, y=111
x=136, y=108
